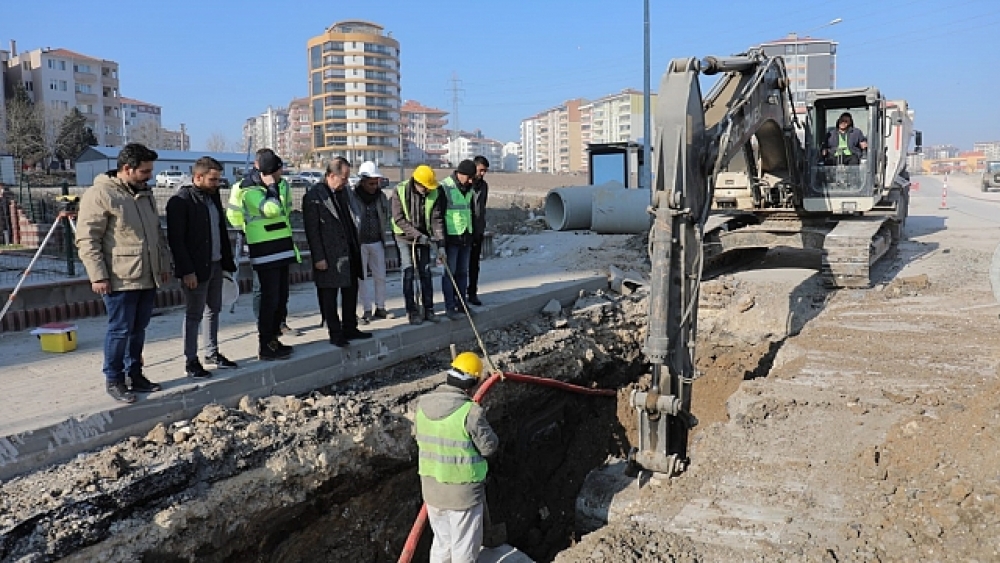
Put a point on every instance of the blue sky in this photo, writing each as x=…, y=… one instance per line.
x=211, y=64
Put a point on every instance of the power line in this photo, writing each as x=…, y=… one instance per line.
x=454, y=89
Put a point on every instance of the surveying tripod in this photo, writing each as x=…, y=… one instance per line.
x=68, y=207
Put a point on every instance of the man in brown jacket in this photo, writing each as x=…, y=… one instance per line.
x=127, y=257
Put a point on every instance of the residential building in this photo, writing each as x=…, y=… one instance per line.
x=425, y=139
x=552, y=141
x=470, y=145
x=298, y=133
x=510, y=158
x=811, y=63
x=991, y=149
x=616, y=118
x=972, y=162
x=267, y=130
x=937, y=152
x=528, y=157
x=4, y=58
x=354, y=93
x=59, y=80
x=137, y=114
x=175, y=140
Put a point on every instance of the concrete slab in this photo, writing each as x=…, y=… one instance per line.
x=54, y=406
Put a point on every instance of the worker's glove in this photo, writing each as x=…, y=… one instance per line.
x=423, y=240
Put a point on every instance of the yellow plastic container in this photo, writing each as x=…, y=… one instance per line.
x=56, y=337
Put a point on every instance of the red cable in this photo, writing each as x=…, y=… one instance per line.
x=410, y=547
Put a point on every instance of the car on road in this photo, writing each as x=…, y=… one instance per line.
x=312, y=176
x=172, y=179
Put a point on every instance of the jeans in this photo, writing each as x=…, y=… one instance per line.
x=423, y=252
x=474, y=257
x=203, y=305
x=458, y=263
x=336, y=325
x=128, y=316
x=273, y=302
x=373, y=259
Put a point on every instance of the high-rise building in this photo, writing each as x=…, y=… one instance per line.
x=509, y=159
x=991, y=149
x=425, y=139
x=552, y=140
x=811, y=63
x=267, y=130
x=59, y=80
x=299, y=131
x=354, y=93
x=470, y=145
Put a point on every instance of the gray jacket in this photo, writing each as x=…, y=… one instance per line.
x=480, y=191
x=436, y=405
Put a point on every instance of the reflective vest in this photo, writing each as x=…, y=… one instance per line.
x=269, y=238
x=447, y=452
x=429, y=200
x=842, y=148
x=458, y=216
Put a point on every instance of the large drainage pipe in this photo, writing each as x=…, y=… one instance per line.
x=569, y=208
x=620, y=212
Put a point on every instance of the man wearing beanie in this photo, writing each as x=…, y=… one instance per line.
x=457, y=190
x=261, y=205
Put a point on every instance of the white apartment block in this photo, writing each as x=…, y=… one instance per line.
x=510, y=158
x=989, y=148
x=811, y=63
x=425, y=139
x=467, y=147
x=529, y=152
x=59, y=80
x=138, y=115
x=552, y=140
x=616, y=118
x=267, y=130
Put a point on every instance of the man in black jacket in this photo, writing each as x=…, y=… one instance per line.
x=331, y=220
x=199, y=243
x=480, y=192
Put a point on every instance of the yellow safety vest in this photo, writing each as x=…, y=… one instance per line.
x=447, y=452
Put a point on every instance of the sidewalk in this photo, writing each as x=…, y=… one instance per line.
x=55, y=405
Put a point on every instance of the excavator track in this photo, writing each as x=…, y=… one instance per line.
x=852, y=248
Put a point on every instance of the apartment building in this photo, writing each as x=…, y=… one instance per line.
x=267, y=130
x=991, y=149
x=425, y=139
x=552, y=141
x=470, y=145
x=811, y=63
x=139, y=117
x=354, y=91
x=510, y=158
x=616, y=118
x=298, y=134
x=59, y=80
x=528, y=157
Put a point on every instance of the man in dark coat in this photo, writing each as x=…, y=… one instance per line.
x=331, y=229
x=199, y=242
x=480, y=191
x=845, y=143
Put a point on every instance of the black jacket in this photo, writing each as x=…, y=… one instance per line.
x=189, y=234
x=481, y=191
x=327, y=233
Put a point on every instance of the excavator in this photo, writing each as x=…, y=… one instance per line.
x=740, y=170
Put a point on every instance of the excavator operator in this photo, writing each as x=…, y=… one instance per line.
x=845, y=144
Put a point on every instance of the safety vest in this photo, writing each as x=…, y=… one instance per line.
x=458, y=216
x=269, y=238
x=842, y=148
x=429, y=200
x=447, y=452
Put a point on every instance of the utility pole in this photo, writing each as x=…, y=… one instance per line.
x=647, y=127
x=184, y=145
x=454, y=113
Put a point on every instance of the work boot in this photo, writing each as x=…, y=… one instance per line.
x=339, y=341
x=381, y=313
x=474, y=299
x=220, y=361
x=366, y=318
x=430, y=316
x=355, y=334
x=274, y=350
x=119, y=392
x=194, y=369
x=287, y=330
x=415, y=318
x=139, y=384
x=454, y=315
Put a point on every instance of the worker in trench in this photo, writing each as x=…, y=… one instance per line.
x=454, y=439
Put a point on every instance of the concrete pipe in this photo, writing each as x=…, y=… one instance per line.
x=568, y=208
x=620, y=212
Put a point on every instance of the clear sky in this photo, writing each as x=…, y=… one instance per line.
x=213, y=63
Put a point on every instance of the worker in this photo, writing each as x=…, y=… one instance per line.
x=454, y=438
x=845, y=144
x=375, y=233
x=480, y=193
x=418, y=223
x=261, y=205
x=458, y=193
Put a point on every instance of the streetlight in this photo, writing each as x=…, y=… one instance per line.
x=832, y=22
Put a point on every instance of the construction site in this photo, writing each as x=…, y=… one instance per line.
x=790, y=358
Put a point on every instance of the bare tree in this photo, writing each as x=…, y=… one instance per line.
x=24, y=127
x=52, y=121
x=216, y=142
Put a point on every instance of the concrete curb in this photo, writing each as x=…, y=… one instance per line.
x=311, y=368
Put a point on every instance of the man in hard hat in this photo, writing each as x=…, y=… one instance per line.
x=199, y=243
x=418, y=223
x=261, y=205
x=454, y=438
x=375, y=234
x=457, y=190
x=480, y=192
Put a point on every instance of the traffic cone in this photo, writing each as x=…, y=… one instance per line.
x=944, y=193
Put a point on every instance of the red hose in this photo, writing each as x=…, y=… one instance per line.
x=410, y=547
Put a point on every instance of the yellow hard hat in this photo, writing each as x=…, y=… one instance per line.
x=424, y=175
x=469, y=364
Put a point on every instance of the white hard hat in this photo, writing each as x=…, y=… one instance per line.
x=230, y=290
x=368, y=169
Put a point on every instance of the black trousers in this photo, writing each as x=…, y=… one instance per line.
x=273, y=302
x=477, y=252
x=335, y=324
